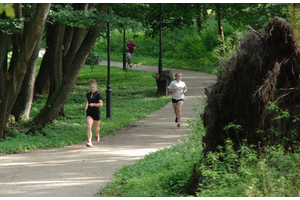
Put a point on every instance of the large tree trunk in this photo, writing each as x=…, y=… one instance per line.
x=23, y=103
x=42, y=82
x=31, y=31
x=57, y=100
x=4, y=41
x=56, y=72
x=16, y=39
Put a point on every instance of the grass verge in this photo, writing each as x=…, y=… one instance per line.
x=270, y=171
x=170, y=63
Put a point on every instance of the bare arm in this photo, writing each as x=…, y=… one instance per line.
x=184, y=90
x=170, y=90
x=86, y=105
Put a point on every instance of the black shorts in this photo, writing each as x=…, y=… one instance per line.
x=96, y=117
x=176, y=101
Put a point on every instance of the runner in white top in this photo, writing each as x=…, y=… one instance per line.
x=178, y=89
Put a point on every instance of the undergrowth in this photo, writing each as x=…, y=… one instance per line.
x=252, y=171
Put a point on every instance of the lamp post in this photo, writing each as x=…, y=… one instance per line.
x=108, y=91
x=160, y=59
x=161, y=82
x=124, y=53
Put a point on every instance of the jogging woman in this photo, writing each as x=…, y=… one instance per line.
x=92, y=108
x=178, y=89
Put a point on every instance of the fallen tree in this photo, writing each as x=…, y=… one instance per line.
x=256, y=97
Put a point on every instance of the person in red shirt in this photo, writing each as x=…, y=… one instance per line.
x=130, y=48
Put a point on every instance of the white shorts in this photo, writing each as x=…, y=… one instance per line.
x=130, y=54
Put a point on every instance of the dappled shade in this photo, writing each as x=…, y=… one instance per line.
x=265, y=69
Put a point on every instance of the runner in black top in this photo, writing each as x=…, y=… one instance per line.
x=93, y=103
x=94, y=112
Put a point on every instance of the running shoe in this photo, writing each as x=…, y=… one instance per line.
x=89, y=144
x=97, y=138
x=176, y=120
x=178, y=124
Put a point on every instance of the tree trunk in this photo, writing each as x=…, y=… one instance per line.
x=56, y=73
x=32, y=30
x=57, y=100
x=4, y=41
x=42, y=82
x=24, y=101
x=77, y=36
x=16, y=39
x=218, y=7
x=67, y=40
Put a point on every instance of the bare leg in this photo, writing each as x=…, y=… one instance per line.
x=97, y=128
x=179, y=106
x=89, y=123
x=175, y=109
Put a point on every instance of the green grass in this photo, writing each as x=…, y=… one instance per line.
x=270, y=172
x=169, y=63
x=163, y=173
x=133, y=98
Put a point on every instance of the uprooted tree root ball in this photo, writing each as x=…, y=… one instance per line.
x=265, y=69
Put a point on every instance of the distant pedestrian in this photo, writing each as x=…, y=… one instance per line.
x=130, y=48
x=178, y=89
x=92, y=108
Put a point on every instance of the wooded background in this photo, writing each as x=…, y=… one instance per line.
x=69, y=32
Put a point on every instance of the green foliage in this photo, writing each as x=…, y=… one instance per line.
x=11, y=25
x=132, y=89
x=255, y=15
x=163, y=173
x=8, y=9
x=186, y=48
x=92, y=60
x=75, y=18
x=180, y=48
x=252, y=171
x=272, y=172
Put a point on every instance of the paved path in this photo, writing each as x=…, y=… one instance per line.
x=77, y=171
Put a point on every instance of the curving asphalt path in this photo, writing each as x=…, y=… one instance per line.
x=77, y=171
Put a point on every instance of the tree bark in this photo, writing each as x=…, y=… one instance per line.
x=42, y=82
x=16, y=39
x=31, y=32
x=21, y=109
x=56, y=73
x=51, y=109
x=4, y=41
